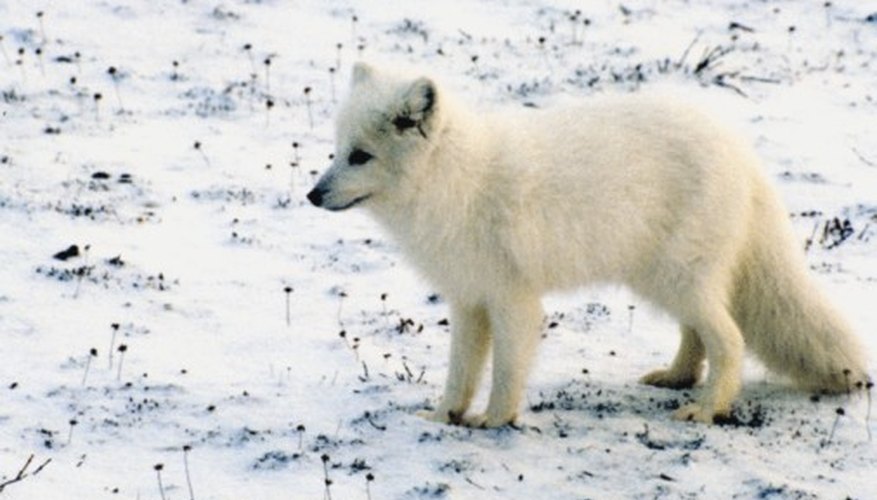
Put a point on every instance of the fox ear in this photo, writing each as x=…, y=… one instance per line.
x=361, y=72
x=421, y=97
x=419, y=103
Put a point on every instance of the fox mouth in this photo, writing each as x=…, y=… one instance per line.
x=356, y=201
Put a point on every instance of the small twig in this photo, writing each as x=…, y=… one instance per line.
x=307, y=93
x=122, y=349
x=368, y=479
x=288, y=291
x=687, y=50
x=248, y=48
x=734, y=25
x=73, y=423
x=473, y=483
x=115, y=328
x=40, y=15
x=39, y=54
x=91, y=354
x=41, y=467
x=809, y=242
x=368, y=418
x=759, y=79
x=295, y=146
x=343, y=335
x=186, y=450
x=5, y=54
x=197, y=147
x=711, y=57
x=868, y=386
x=158, y=468
x=864, y=231
x=97, y=98
x=114, y=75
x=341, y=296
x=720, y=81
x=838, y=413
x=326, y=480
x=384, y=307
x=300, y=429
x=864, y=160
x=80, y=274
x=22, y=473
x=332, y=83
x=267, y=63
x=268, y=105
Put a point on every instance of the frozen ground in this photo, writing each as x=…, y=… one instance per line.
x=185, y=253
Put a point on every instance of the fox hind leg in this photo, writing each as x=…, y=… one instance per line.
x=687, y=367
x=723, y=345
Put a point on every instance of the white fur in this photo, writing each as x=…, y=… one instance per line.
x=498, y=208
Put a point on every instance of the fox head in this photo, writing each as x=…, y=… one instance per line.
x=382, y=132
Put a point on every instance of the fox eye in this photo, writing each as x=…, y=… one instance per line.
x=359, y=157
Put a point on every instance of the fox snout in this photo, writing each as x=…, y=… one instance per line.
x=326, y=195
x=316, y=196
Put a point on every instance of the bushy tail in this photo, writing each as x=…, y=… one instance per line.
x=785, y=318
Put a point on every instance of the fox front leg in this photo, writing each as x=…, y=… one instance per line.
x=515, y=321
x=470, y=341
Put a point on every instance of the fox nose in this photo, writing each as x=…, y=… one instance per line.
x=316, y=196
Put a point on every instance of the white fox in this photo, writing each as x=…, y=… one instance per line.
x=498, y=208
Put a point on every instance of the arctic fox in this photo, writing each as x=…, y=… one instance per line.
x=498, y=208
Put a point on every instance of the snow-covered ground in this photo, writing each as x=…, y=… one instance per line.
x=270, y=345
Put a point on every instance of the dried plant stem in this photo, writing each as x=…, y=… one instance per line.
x=188, y=477
x=838, y=413
x=122, y=349
x=42, y=27
x=288, y=291
x=158, y=468
x=369, y=477
x=310, y=110
x=118, y=95
x=112, y=345
x=73, y=423
x=87, y=366
x=328, y=482
x=868, y=386
x=340, y=306
x=22, y=473
x=5, y=54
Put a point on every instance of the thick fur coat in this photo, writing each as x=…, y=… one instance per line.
x=495, y=209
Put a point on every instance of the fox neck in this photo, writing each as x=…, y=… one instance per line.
x=451, y=176
x=434, y=211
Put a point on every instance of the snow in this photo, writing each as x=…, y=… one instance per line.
x=208, y=238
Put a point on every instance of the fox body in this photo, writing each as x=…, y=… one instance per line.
x=495, y=209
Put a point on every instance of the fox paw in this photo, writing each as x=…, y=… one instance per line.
x=442, y=416
x=669, y=380
x=696, y=412
x=487, y=421
x=476, y=421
